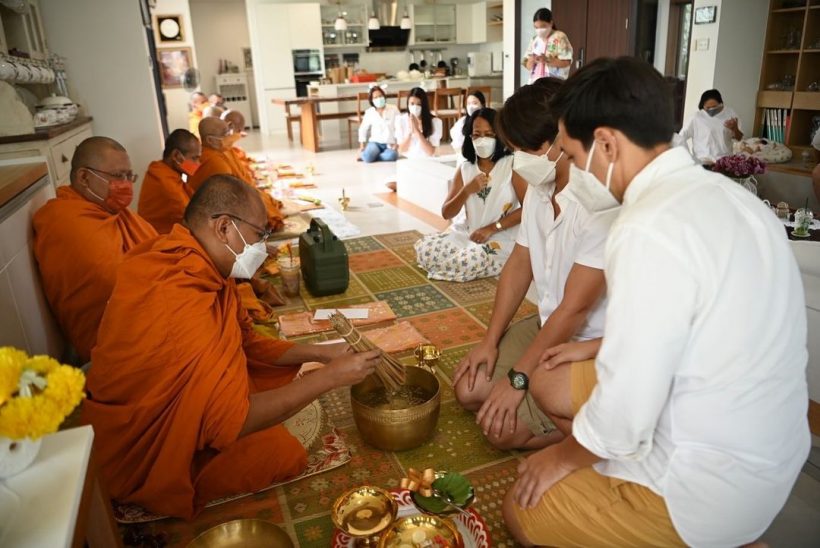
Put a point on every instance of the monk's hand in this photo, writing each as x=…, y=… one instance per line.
x=328, y=352
x=499, y=412
x=352, y=368
x=569, y=353
x=485, y=353
x=537, y=474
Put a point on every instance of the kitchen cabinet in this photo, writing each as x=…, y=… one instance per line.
x=356, y=33
x=478, y=23
x=23, y=30
x=273, y=60
x=304, y=24
x=274, y=114
x=433, y=24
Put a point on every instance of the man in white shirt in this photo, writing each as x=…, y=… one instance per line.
x=697, y=425
x=560, y=246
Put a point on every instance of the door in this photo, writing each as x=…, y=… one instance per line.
x=595, y=28
x=570, y=17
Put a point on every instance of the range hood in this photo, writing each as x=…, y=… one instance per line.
x=389, y=37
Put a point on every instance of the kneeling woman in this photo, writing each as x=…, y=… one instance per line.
x=490, y=194
x=418, y=132
x=380, y=121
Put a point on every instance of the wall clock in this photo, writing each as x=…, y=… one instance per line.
x=169, y=28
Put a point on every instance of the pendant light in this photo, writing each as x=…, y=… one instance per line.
x=406, y=24
x=340, y=24
x=373, y=22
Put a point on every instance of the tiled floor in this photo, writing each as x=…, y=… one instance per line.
x=797, y=525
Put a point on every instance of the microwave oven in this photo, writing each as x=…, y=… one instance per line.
x=307, y=61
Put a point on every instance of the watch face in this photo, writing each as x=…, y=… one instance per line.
x=518, y=381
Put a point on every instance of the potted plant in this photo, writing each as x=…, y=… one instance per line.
x=742, y=168
x=36, y=395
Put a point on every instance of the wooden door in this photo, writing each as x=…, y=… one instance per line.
x=608, y=28
x=570, y=16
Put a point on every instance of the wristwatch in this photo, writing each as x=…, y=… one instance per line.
x=498, y=226
x=518, y=380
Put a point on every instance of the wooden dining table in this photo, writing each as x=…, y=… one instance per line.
x=311, y=115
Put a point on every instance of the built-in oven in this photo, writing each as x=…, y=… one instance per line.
x=307, y=67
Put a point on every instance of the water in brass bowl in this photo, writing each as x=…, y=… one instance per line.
x=245, y=533
x=417, y=531
x=364, y=511
x=401, y=421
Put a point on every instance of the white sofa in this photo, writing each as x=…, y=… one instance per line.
x=425, y=182
x=808, y=258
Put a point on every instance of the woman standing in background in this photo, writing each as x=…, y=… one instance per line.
x=549, y=53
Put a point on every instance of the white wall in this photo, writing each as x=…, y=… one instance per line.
x=661, y=36
x=176, y=99
x=528, y=9
x=221, y=31
x=109, y=71
x=732, y=61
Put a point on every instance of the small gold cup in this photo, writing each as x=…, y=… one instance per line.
x=344, y=201
x=427, y=356
x=363, y=513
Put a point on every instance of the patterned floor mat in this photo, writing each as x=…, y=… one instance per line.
x=452, y=316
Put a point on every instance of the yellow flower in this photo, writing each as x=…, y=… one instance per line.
x=41, y=364
x=11, y=365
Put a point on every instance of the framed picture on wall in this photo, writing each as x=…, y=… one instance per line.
x=705, y=15
x=169, y=28
x=173, y=62
x=246, y=56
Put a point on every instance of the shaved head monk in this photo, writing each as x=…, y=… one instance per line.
x=196, y=105
x=186, y=399
x=218, y=158
x=81, y=237
x=165, y=193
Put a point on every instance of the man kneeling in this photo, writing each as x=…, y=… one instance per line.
x=187, y=401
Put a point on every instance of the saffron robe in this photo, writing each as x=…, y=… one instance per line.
x=163, y=197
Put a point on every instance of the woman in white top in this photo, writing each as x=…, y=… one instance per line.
x=490, y=195
x=474, y=102
x=380, y=121
x=711, y=129
x=418, y=132
x=550, y=52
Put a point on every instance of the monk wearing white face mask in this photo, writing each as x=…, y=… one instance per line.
x=560, y=248
x=187, y=400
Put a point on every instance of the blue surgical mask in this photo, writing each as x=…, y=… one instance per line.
x=379, y=102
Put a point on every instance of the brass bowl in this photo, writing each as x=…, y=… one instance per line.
x=245, y=533
x=397, y=429
x=416, y=530
x=364, y=511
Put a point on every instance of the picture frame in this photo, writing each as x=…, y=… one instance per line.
x=247, y=58
x=169, y=28
x=173, y=62
x=705, y=15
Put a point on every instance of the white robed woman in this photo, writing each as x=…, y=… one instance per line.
x=485, y=205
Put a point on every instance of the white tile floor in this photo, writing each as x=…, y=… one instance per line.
x=797, y=525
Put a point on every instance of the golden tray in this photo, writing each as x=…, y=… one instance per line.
x=418, y=530
x=245, y=533
x=364, y=511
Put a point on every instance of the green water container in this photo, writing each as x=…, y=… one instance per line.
x=324, y=260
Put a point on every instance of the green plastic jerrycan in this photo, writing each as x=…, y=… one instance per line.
x=324, y=260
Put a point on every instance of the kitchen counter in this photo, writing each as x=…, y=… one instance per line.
x=431, y=83
x=17, y=178
x=46, y=133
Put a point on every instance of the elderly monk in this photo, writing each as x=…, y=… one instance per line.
x=236, y=122
x=187, y=400
x=217, y=158
x=165, y=192
x=81, y=237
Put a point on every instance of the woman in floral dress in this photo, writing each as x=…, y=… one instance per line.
x=485, y=204
x=549, y=53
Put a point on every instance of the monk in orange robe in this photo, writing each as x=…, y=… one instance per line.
x=236, y=122
x=196, y=105
x=165, y=192
x=186, y=399
x=82, y=235
x=217, y=158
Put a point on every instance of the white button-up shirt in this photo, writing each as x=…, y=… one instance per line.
x=711, y=139
x=403, y=129
x=701, y=392
x=381, y=126
x=556, y=244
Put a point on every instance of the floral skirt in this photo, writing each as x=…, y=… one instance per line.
x=453, y=257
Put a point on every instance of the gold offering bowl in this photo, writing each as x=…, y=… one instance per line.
x=245, y=533
x=344, y=201
x=427, y=356
x=419, y=530
x=395, y=429
x=364, y=512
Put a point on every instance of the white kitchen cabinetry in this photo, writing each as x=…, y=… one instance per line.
x=356, y=33
x=478, y=23
x=272, y=59
x=57, y=150
x=305, y=25
x=433, y=24
x=23, y=31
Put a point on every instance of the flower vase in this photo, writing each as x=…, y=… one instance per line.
x=17, y=455
x=749, y=183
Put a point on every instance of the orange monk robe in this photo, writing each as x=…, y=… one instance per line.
x=225, y=162
x=163, y=197
x=194, y=117
x=79, y=246
x=174, y=366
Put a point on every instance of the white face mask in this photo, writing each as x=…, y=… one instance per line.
x=484, y=146
x=249, y=260
x=536, y=170
x=590, y=192
x=414, y=110
x=543, y=32
x=379, y=102
x=472, y=108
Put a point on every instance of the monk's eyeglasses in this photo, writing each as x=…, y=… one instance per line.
x=125, y=176
x=263, y=233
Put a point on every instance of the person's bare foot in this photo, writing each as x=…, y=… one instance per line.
x=391, y=185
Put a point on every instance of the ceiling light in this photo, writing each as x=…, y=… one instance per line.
x=373, y=22
x=406, y=24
